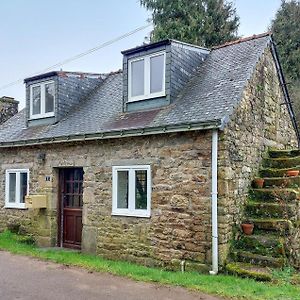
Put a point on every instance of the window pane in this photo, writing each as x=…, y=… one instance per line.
x=49, y=97
x=122, y=199
x=137, y=78
x=23, y=187
x=156, y=73
x=12, y=188
x=141, y=189
x=36, y=100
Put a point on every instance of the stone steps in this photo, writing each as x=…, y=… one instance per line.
x=283, y=153
x=273, y=194
x=263, y=244
x=274, y=172
x=282, y=162
x=249, y=270
x=269, y=210
x=278, y=225
x=284, y=182
x=274, y=210
x=258, y=259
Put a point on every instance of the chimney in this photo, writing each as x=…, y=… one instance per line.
x=8, y=108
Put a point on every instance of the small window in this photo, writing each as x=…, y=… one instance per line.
x=146, y=77
x=42, y=100
x=131, y=191
x=17, y=187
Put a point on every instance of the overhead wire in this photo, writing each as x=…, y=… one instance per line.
x=77, y=56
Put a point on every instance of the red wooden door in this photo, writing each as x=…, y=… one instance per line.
x=72, y=207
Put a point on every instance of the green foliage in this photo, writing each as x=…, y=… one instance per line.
x=227, y=286
x=286, y=30
x=203, y=22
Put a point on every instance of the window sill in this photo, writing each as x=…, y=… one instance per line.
x=130, y=214
x=23, y=207
x=146, y=97
x=36, y=117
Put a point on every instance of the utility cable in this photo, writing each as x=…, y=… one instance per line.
x=75, y=57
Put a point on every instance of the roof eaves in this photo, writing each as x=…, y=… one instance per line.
x=116, y=134
x=41, y=76
x=146, y=47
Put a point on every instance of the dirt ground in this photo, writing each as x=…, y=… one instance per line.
x=26, y=278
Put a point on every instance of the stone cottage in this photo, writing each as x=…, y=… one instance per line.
x=152, y=163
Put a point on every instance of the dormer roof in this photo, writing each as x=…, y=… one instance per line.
x=207, y=101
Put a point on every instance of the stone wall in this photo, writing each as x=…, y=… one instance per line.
x=179, y=226
x=8, y=108
x=260, y=121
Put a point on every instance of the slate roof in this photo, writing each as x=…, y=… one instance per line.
x=207, y=100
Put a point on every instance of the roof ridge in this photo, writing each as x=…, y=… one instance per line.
x=241, y=40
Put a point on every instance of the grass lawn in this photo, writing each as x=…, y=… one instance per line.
x=226, y=286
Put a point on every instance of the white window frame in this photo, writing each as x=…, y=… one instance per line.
x=147, y=94
x=17, y=203
x=43, y=114
x=130, y=211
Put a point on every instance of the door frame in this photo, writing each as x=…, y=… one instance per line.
x=60, y=213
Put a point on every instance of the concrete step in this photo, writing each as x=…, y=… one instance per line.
x=249, y=270
x=258, y=259
x=274, y=194
x=271, y=210
x=284, y=153
x=264, y=244
x=275, y=172
x=281, y=163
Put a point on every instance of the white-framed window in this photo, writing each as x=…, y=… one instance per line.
x=16, y=187
x=131, y=187
x=42, y=100
x=146, y=77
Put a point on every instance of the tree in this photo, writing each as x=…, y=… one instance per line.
x=286, y=30
x=202, y=22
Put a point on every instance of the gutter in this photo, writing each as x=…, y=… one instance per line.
x=284, y=89
x=114, y=134
x=214, y=203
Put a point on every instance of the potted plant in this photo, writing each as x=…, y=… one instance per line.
x=247, y=227
x=258, y=183
x=292, y=173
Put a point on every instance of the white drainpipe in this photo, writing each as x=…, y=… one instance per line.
x=214, y=202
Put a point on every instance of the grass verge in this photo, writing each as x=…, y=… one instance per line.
x=227, y=286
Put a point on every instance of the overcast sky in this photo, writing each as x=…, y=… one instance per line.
x=36, y=34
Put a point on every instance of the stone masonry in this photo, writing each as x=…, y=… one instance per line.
x=179, y=226
x=8, y=108
x=261, y=121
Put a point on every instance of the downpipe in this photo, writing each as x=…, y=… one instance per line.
x=214, y=203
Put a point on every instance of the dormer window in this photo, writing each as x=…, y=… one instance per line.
x=42, y=100
x=146, y=77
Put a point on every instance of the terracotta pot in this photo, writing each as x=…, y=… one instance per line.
x=292, y=173
x=247, y=228
x=259, y=182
